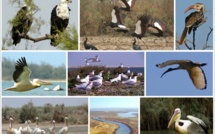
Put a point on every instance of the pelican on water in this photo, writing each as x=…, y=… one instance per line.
x=192, y=126
x=21, y=77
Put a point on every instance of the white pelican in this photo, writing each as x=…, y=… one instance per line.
x=21, y=77
x=192, y=126
x=37, y=130
x=57, y=88
x=64, y=130
x=27, y=129
x=52, y=129
x=11, y=130
x=130, y=81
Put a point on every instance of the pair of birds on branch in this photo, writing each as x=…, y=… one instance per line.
x=24, y=19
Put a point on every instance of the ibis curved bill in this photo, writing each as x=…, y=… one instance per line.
x=21, y=77
x=194, y=70
x=192, y=126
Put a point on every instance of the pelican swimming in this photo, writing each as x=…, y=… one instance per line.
x=192, y=126
x=21, y=77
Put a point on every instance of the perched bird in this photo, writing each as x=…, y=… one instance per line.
x=86, y=79
x=193, y=20
x=130, y=81
x=85, y=86
x=52, y=129
x=194, y=70
x=97, y=82
x=64, y=130
x=95, y=77
x=59, y=20
x=116, y=79
x=135, y=46
x=192, y=126
x=21, y=24
x=89, y=46
x=21, y=77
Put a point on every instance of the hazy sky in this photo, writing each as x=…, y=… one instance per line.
x=202, y=31
x=52, y=58
x=178, y=82
x=131, y=59
x=114, y=102
x=46, y=6
x=19, y=102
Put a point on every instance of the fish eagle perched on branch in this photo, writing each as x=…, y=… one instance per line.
x=59, y=20
x=21, y=24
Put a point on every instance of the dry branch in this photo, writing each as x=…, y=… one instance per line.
x=46, y=37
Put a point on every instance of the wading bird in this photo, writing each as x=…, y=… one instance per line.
x=21, y=77
x=64, y=130
x=37, y=130
x=27, y=129
x=194, y=70
x=52, y=129
x=59, y=20
x=21, y=24
x=11, y=130
x=192, y=126
x=194, y=20
x=89, y=46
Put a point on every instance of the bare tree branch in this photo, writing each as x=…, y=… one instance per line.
x=46, y=37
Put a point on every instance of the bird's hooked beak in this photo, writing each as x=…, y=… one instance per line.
x=175, y=116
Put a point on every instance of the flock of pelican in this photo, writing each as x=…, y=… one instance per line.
x=36, y=129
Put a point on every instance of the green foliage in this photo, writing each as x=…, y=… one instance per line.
x=28, y=112
x=48, y=112
x=156, y=112
x=42, y=71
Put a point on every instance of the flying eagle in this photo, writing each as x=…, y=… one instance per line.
x=59, y=20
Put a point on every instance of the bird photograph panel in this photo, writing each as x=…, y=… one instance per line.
x=179, y=73
x=126, y=24
x=194, y=25
x=40, y=25
x=114, y=115
x=33, y=74
x=106, y=73
x=45, y=115
x=176, y=115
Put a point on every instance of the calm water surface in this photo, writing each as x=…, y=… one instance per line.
x=35, y=92
x=123, y=129
x=128, y=114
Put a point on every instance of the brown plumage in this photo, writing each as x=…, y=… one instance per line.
x=193, y=20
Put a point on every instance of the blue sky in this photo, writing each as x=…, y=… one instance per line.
x=114, y=102
x=131, y=59
x=201, y=33
x=9, y=102
x=46, y=6
x=176, y=83
x=52, y=58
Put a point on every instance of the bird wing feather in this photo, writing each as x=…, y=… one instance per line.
x=197, y=76
x=171, y=62
x=198, y=122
